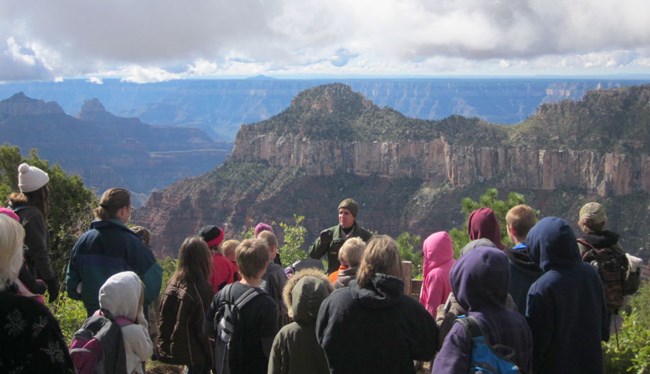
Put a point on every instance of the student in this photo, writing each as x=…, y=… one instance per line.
x=274, y=279
x=110, y=247
x=330, y=240
x=479, y=280
x=228, y=247
x=262, y=226
x=223, y=272
x=523, y=271
x=371, y=326
x=32, y=205
x=30, y=336
x=483, y=223
x=438, y=258
x=350, y=256
x=183, y=307
x=565, y=307
x=123, y=296
x=295, y=348
x=258, y=321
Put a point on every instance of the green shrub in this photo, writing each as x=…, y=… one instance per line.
x=71, y=314
x=409, y=247
x=629, y=350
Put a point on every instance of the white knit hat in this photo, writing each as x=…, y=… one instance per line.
x=31, y=178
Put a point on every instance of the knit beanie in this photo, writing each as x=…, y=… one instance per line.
x=212, y=235
x=594, y=212
x=262, y=227
x=350, y=205
x=31, y=178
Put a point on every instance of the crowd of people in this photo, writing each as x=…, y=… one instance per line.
x=542, y=302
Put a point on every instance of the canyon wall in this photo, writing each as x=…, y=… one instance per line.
x=607, y=174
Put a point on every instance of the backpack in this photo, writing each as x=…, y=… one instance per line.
x=486, y=358
x=226, y=322
x=613, y=268
x=98, y=346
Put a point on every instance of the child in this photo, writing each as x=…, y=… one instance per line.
x=479, y=280
x=123, y=296
x=182, y=310
x=228, y=247
x=295, y=348
x=350, y=256
x=257, y=319
x=523, y=271
x=275, y=278
x=438, y=258
x=223, y=272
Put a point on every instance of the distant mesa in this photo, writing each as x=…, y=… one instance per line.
x=261, y=77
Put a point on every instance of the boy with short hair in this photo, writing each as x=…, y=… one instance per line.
x=523, y=271
x=257, y=319
x=274, y=280
x=350, y=257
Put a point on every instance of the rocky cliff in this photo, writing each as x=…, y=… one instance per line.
x=512, y=161
x=410, y=175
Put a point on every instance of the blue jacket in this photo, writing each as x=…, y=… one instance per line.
x=565, y=306
x=479, y=280
x=108, y=248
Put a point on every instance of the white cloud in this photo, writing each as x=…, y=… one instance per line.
x=149, y=40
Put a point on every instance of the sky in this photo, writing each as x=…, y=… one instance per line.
x=146, y=41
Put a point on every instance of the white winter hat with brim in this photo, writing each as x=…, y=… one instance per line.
x=31, y=178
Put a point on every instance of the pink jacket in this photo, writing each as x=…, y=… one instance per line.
x=438, y=258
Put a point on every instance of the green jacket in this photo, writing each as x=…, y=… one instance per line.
x=317, y=250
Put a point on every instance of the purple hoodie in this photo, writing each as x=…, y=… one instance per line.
x=479, y=279
x=483, y=223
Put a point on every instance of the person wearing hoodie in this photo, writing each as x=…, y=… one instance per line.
x=183, y=308
x=447, y=313
x=565, y=307
x=438, y=258
x=479, y=280
x=295, y=348
x=371, y=326
x=523, y=271
x=123, y=296
x=110, y=247
x=483, y=223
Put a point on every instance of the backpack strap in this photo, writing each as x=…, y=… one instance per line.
x=588, y=245
x=247, y=296
x=472, y=324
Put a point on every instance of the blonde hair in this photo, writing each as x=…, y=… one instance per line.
x=352, y=251
x=380, y=256
x=521, y=218
x=228, y=247
x=12, y=235
x=252, y=257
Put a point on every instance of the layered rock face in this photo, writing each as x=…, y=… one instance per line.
x=607, y=174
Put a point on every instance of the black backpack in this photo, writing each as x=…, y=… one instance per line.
x=226, y=325
x=614, y=270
